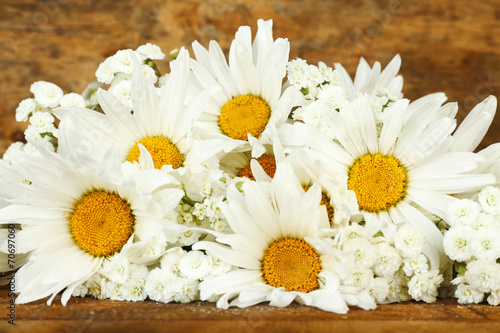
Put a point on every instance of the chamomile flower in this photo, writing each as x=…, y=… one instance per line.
x=371, y=80
x=276, y=248
x=407, y=164
x=157, y=131
x=76, y=217
x=251, y=105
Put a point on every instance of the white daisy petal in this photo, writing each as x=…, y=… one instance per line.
x=475, y=125
x=392, y=126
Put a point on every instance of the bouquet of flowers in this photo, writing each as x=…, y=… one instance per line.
x=248, y=180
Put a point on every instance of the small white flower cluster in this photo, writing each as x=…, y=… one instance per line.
x=321, y=88
x=473, y=241
x=324, y=92
x=391, y=272
x=206, y=212
x=116, y=70
x=310, y=78
x=174, y=279
x=38, y=110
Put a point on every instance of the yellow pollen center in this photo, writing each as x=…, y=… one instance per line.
x=101, y=223
x=242, y=115
x=267, y=162
x=325, y=201
x=379, y=182
x=292, y=264
x=162, y=151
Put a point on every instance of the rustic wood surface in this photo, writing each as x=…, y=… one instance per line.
x=91, y=315
x=449, y=46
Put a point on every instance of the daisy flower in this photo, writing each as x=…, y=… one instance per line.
x=75, y=217
x=372, y=80
x=403, y=172
x=157, y=131
x=251, y=104
x=276, y=247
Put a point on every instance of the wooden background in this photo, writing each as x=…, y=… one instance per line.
x=449, y=46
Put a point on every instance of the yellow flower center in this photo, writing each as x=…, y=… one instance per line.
x=379, y=182
x=101, y=223
x=325, y=201
x=161, y=149
x=242, y=115
x=292, y=264
x=267, y=162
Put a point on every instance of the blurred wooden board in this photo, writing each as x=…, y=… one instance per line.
x=449, y=46
x=91, y=315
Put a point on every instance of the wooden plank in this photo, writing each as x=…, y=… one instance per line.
x=91, y=315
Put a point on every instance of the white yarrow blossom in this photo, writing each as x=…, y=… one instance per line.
x=43, y=122
x=388, y=260
x=485, y=244
x=364, y=252
x=409, y=241
x=150, y=51
x=467, y=294
x=105, y=73
x=457, y=243
x=158, y=285
x=424, y=286
x=72, y=99
x=483, y=275
x=489, y=199
x=149, y=73
x=123, y=92
x=464, y=212
x=122, y=61
x=46, y=94
x=194, y=265
x=415, y=265
x=25, y=108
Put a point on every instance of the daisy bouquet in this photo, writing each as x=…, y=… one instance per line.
x=248, y=179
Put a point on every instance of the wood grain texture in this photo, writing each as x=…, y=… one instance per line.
x=91, y=315
x=449, y=46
